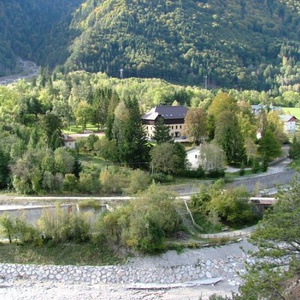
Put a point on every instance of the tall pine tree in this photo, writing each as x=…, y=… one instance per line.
x=161, y=132
x=132, y=146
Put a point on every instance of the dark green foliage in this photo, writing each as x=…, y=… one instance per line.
x=129, y=134
x=161, y=132
x=28, y=30
x=294, y=149
x=161, y=178
x=251, y=45
x=231, y=206
x=90, y=141
x=269, y=147
x=199, y=173
x=4, y=169
x=229, y=137
x=255, y=166
x=187, y=42
x=277, y=258
x=51, y=127
x=168, y=158
x=215, y=173
x=77, y=167
x=242, y=170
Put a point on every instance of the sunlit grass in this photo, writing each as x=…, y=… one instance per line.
x=73, y=128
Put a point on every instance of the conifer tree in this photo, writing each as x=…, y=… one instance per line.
x=161, y=132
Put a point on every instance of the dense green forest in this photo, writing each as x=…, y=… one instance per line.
x=210, y=43
x=34, y=30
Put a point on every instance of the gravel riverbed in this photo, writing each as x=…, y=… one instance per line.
x=188, y=275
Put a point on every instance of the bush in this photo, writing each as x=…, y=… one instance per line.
x=62, y=226
x=70, y=183
x=161, y=178
x=198, y=173
x=8, y=228
x=139, y=181
x=216, y=173
x=85, y=184
x=112, y=181
x=17, y=229
x=144, y=223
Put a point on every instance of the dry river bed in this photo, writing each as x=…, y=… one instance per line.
x=221, y=266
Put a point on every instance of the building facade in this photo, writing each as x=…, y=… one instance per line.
x=173, y=117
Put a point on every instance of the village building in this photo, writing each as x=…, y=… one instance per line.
x=69, y=142
x=289, y=123
x=173, y=117
x=207, y=156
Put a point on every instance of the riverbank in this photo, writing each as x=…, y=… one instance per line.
x=171, y=275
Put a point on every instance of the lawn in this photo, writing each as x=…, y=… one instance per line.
x=295, y=111
x=78, y=129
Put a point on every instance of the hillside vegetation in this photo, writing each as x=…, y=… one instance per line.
x=36, y=30
x=233, y=43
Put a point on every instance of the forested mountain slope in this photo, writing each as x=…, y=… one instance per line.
x=226, y=43
x=26, y=28
x=231, y=42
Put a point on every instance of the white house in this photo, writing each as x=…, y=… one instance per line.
x=173, y=117
x=208, y=156
x=289, y=122
x=69, y=142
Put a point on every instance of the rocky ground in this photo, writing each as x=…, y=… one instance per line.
x=29, y=290
x=221, y=266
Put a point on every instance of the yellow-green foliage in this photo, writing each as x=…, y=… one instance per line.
x=144, y=223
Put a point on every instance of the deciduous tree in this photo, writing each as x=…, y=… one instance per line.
x=195, y=124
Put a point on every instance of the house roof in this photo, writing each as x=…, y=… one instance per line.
x=68, y=139
x=167, y=112
x=288, y=118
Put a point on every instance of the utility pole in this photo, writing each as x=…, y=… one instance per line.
x=121, y=73
x=205, y=82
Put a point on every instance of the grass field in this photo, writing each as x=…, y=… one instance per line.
x=65, y=254
x=295, y=111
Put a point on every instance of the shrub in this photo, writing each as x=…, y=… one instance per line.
x=255, y=166
x=161, y=178
x=17, y=229
x=8, y=228
x=216, y=173
x=64, y=226
x=70, y=183
x=112, y=182
x=139, y=181
x=85, y=184
x=198, y=173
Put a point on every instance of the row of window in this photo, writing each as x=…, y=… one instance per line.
x=171, y=126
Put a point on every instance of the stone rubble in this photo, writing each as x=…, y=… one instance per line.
x=227, y=269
